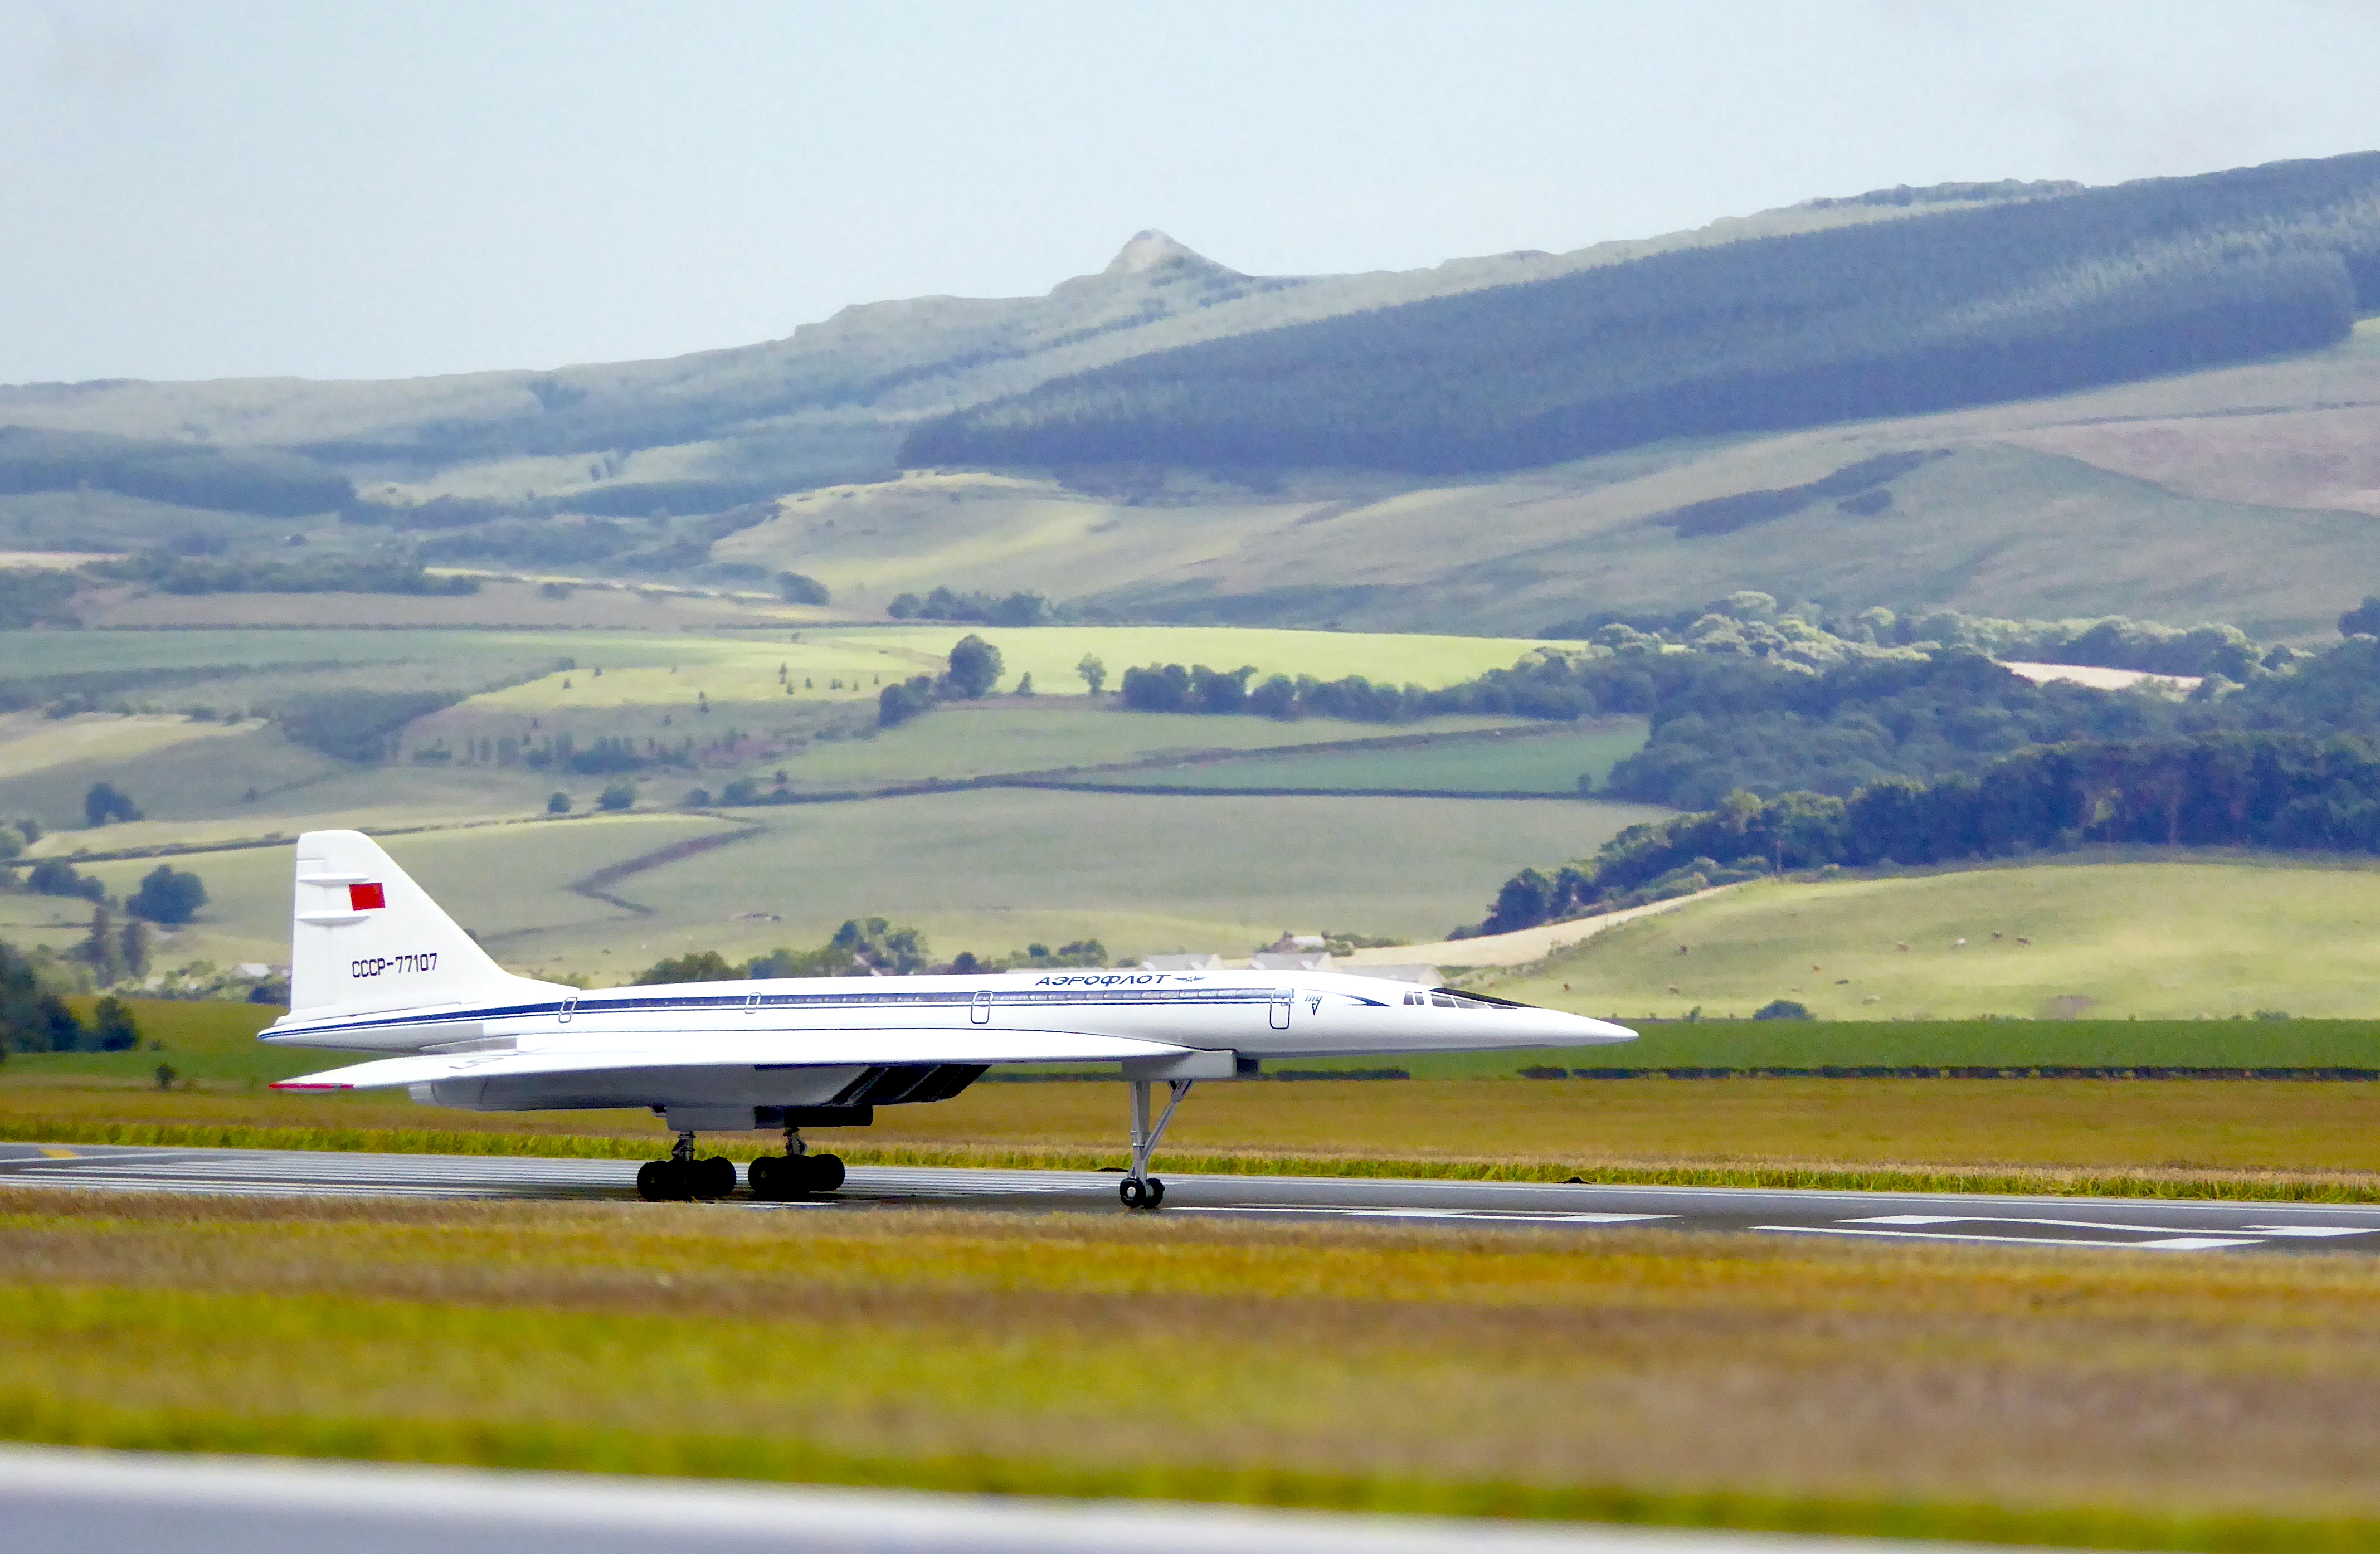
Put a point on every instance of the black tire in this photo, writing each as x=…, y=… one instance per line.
x=1133, y=1192
x=653, y=1183
x=826, y=1172
x=1157, y=1192
x=711, y=1177
x=761, y=1177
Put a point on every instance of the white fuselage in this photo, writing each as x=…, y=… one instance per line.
x=805, y=1041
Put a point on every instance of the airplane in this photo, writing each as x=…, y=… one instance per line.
x=377, y=966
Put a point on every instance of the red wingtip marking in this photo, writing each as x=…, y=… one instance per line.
x=366, y=898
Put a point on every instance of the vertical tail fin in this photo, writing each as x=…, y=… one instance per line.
x=363, y=936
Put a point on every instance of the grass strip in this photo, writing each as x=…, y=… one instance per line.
x=2244, y=1186
x=568, y=1449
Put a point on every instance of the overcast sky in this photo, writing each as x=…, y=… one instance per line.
x=413, y=185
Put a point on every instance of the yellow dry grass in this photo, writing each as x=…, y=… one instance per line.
x=2216, y=1404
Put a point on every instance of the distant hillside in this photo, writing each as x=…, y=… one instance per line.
x=831, y=402
x=2004, y=303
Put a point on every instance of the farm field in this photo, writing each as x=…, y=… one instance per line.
x=1527, y=761
x=990, y=870
x=508, y=883
x=993, y=869
x=1630, y=1376
x=2156, y=937
x=849, y=663
x=974, y=740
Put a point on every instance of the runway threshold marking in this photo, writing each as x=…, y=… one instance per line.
x=1494, y=1216
x=2093, y=1224
x=2161, y=1243
x=61, y=1154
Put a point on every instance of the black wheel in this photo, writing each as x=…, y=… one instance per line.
x=826, y=1172
x=711, y=1177
x=653, y=1181
x=1133, y=1192
x=761, y=1177
x=1157, y=1192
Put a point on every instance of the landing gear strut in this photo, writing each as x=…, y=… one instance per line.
x=796, y=1174
x=1138, y=1189
x=684, y=1179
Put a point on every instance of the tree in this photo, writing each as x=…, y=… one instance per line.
x=1781, y=1008
x=102, y=804
x=619, y=796
x=798, y=589
x=557, y=804
x=113, y=1027
x=696, y=966
x=132, y=947
x=897, y=704
x=1094, y=672
x=32, y=1020
x=167, y=895
x=101, y=948
x=698, y=798
x=974, y=667
x=57, y=877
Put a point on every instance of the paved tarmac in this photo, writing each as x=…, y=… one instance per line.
x=54, y=1501
x=2137, y=1224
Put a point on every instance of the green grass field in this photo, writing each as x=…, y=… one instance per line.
x=507, y=883
x=1612, y=1375
x=1460, y=1113
x=981, y=739
x=2157, y=937
x=1541, y=763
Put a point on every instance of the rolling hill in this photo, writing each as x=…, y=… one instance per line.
x=2242, y=493
x=2120, y=936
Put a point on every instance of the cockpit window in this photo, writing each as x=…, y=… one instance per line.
x=1445, y=1001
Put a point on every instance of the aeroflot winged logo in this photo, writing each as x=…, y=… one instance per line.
x=366, y=898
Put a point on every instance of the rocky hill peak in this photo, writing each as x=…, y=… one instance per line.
x=1147, y=250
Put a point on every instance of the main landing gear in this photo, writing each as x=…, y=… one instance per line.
x=684, y=1179
x=796, y=1174
x=1138, y=1189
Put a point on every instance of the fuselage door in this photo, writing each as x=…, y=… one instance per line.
x=1284, y=1001
x=979, y=1008
x=569, y=1007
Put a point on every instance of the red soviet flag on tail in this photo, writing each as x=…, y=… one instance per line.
x=366, y=898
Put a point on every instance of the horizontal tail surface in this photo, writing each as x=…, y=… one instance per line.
x=364, y=936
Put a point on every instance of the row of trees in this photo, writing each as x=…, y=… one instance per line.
x=2221, y=789
x=861, y=947
x=166, y=895
x=162, y=570
x=1021, y=609
x=1953, y=308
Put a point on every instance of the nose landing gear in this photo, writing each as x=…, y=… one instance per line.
x=1138, y=1189
x=684, y=1179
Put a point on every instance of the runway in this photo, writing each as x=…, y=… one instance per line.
x=2133, y=1224
x=61, y=1502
